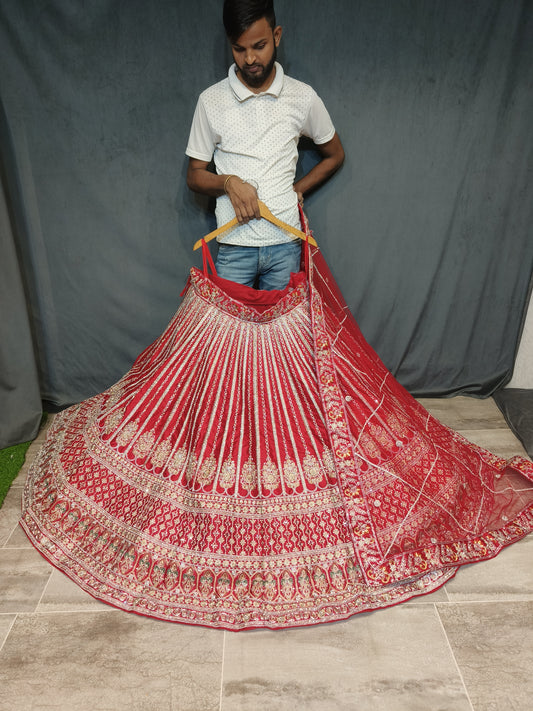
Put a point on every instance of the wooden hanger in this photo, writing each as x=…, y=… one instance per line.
x=265, y=212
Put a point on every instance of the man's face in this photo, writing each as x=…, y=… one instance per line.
x=254, y=53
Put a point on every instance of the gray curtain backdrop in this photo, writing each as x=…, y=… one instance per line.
x=20, y=401
x=427, y=227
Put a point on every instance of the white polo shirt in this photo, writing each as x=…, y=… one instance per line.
x=255, y=136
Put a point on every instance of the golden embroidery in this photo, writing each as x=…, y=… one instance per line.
x=125, y=435
x=380, y=434
x=242, y=586
x=227, y=475
x=312, y=469
x=287, y=585
x=329, y=463
x=223, y=585
x=249, y=476
x=368, y=446
x=206, y=583
x=291, y=475
x=176, y=464
x=113, y=420
x=188, y=580
x=161, y=453
x=143, y=445
x=207, y=471
x=270, y=475
x=304, y=583
x=192, y=464
x=115, y=393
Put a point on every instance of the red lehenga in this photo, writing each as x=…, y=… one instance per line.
x=259, y=467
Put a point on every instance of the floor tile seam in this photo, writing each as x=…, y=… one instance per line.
x=5, y=546
x=522, y=597
x=222, y=670
x=492, y=430
x=15, y=615
x=460, y=673
x=475, y=427
x=42, y=612
x=499, y=601
x=3, y=511
x=44, y=590
x=11, y=489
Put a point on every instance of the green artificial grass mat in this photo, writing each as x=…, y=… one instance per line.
x=11, y=461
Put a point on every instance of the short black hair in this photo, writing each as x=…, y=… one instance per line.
x=239, y=15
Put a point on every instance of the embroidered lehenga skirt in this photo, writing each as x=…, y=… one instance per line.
x=259, y=467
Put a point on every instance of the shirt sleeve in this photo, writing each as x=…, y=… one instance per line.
x=202, y=141
x=318, y=125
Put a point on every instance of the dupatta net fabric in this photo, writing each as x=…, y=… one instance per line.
x=259, y=467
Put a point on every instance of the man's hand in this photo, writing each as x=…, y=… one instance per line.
x=243, y=197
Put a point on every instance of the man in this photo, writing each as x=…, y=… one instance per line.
x=251, y=123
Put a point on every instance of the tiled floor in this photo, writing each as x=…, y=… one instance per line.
x=467, y=647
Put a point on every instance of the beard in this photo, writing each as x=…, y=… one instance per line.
x=256, y=79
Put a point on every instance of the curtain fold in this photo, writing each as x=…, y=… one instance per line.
x=20, y=401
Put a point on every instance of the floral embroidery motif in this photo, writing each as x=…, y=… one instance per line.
x=115, y=393
x=161, y=453
x=304, y=583
x=241, y=586
x=177, y=464
x=380, y=434
x=291, y=475
x=113, y=420
x=287, y=585
x=249, y=476
x=207, y=471
x=223, y=585
x=192, y=465
x=206, y=583
x=143, y=444
x=270, y=476
x=125, y=435
x=329, y=463
x=368, y=446
x=227, y=475
x=312, y=469
x=188, y=580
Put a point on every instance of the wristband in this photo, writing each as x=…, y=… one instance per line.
x=226, y=182
x=251, y=182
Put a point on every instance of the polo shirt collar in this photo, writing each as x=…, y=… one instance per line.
x=242, y=92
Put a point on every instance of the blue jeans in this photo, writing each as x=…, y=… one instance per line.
x=264, y=267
